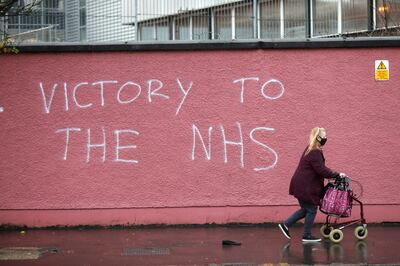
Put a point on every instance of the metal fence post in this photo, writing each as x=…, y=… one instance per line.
x=339, y=18
x=136, y=21
x=308, y=18
x=255, y=19
x=282, y=19
x=370, y=15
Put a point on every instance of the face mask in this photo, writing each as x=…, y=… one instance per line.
x=322, y=141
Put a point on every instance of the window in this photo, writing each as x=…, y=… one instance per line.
x=223, y=24
x=295, y=18
x=55, y=18
x=270, y=21
x=244, y=21
x=82, y=17
x=53, y=4
x=387, y=13
x=146, y=32
x=82, y=20
x=201, y=26
x=162, y=30
x=325, y=17
x=82, y=34
x=354, y=15
x=182, y=28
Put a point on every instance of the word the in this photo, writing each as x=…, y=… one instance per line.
x=118, y=133
x=238, y=143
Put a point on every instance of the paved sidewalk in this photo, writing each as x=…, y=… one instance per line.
x=260, y=245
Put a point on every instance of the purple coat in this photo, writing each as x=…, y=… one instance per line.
x=307, y=183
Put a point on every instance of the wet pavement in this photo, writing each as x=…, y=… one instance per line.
x=260, y=245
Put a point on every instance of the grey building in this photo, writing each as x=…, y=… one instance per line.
x=45, y=22
x=96, y=21
x=266, y=19
x=165, y=20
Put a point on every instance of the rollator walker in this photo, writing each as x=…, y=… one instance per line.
x=336, y=204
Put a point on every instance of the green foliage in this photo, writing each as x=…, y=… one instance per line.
x=7, y=46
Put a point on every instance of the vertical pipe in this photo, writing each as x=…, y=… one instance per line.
x=191, y=26
x=255, y=19
x=210, y=25
x=42, y=22
x=311, y=18
x=258, y=21
x=308, y=18
x=136, y=20
x=233, y=22
x=3, y=26
x=370, y=11
x=282, y=19
x=374, y=14
x=19, y=24
x=339, y=18
x=174, y=28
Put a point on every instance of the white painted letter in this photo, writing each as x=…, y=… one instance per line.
x=185, y=93
x=118, y=147
x=47, y=106
x=243, y=80
x=67, y=138
x=208, y=153
x=265, y=146
x=91, y=146
x=154, y=92
x=74, y=96
x=238, y=143
x=102, y=88
x=134, y=98
x=66, y=95
x=272, y=97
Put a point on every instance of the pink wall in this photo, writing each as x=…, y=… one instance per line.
x=150, y=166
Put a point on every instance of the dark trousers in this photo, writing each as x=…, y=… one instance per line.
x=306, y=210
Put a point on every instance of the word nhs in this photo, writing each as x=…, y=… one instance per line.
x=204, y=143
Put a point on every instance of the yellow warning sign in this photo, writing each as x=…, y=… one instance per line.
x=381, y=65
x=381, y=69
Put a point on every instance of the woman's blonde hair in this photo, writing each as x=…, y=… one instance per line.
x=313, y=142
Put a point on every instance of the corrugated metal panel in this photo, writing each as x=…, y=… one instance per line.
x=106, y=23
x=149, y=9
x=128, y=11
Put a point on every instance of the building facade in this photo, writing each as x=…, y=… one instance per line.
x=268, y=19
x=189, y=20
x=96, y=21
x=44, y=23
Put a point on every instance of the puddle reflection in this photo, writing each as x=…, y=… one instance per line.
x=324, y=252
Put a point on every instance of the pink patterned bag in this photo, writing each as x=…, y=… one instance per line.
x=337, y=202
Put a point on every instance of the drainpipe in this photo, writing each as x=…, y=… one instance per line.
x=136, y=21
x=255, y=19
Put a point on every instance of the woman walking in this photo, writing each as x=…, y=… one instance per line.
x=307, y=184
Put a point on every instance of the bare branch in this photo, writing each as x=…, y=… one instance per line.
x=5, y=6
x=12, y=7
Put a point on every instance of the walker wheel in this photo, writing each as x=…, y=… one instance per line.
x=325, y=230
x=336, y=235
x=360, y=232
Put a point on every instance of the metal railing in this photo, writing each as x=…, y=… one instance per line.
x=193, y=20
